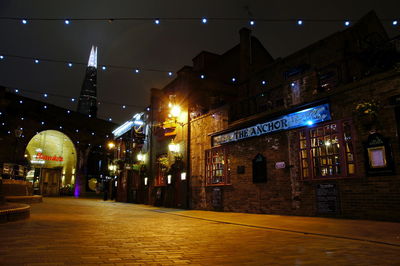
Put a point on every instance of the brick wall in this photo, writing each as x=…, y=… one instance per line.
x=366, y=197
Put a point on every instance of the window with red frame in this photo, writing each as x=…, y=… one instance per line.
x=327, y=151
x=161, y=171
x=217, y=167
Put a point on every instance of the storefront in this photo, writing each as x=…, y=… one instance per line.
x=53, y=158
x=332, y=157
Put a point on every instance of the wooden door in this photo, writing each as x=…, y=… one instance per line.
x=50, y=180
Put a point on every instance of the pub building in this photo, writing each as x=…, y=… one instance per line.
x=312, y=134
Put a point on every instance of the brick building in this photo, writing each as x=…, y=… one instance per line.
x=209, y=83
x=315, y=133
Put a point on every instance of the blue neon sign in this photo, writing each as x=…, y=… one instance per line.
x=306, y=117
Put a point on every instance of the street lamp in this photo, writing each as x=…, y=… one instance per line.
x=111, y=145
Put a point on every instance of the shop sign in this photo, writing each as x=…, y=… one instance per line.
x=41, y=156
x=301, y=118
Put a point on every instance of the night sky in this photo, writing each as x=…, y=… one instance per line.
x=167, y=46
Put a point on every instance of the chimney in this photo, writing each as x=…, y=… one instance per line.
x=245, y=53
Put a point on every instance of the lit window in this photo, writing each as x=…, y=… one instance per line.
x=327, y=151
x=161, y=170
x=217, y=167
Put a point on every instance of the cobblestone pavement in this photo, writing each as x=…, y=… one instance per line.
x=66, y=231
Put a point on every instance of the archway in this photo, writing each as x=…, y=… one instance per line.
x=53, y=160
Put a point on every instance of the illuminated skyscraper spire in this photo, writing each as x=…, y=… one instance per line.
x=87, y=103
x=93, y=57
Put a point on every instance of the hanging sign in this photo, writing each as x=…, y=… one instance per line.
x=301, y=118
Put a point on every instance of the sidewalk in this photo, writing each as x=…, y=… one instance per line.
x=364, y=230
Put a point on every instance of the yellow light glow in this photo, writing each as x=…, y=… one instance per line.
x=141, y=157
x=175, y=111
x=111, y=145
x=174, y=147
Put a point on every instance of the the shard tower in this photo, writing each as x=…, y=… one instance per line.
x=87, y=103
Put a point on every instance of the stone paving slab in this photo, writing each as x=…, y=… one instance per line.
x=66, y=231
x=374, y=231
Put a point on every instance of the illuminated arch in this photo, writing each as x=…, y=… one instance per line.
x=53, y=149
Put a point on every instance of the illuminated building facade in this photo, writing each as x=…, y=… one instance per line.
x=59, y=150
x=311, y=134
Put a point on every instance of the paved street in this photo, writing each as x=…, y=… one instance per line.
x=66, y=231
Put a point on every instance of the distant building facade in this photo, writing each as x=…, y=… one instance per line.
x=57, y=149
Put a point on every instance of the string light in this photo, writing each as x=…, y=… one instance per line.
x=252, y=22
x=263, y=82
x=394, y=23
x=157, y=21
x=233, y=79
x=169, y=73
x=188, y=19
x=299, y=22
x=202, y=76
x=1, y=57
x=110, y=119
x=45, y=95
x=45, y=107
x=71, y=99
x=68, y=111
x=71, y=64
x=36, y=61
x=123, y=106
x=21, y=102
x=347, y=23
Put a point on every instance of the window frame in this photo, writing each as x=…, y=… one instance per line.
x=210, y=154
x=343, y=153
